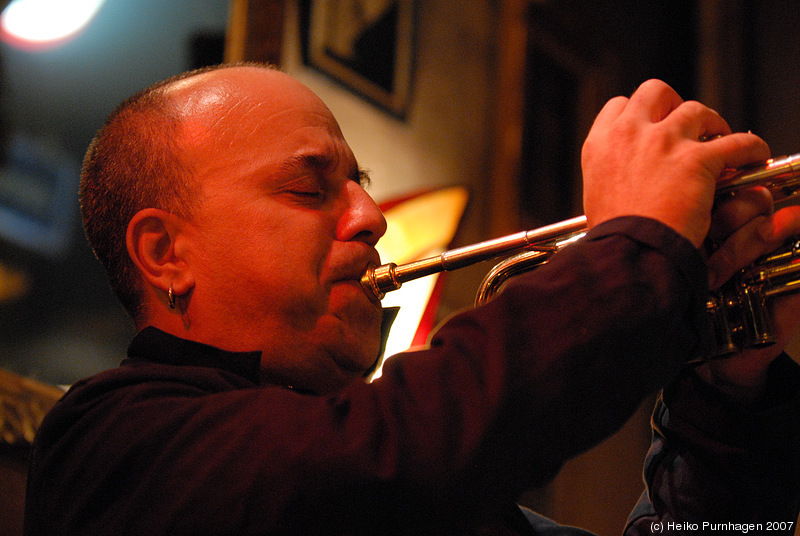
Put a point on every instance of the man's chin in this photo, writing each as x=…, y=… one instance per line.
x=343, y=346
x=357, y=360
x=355, y=332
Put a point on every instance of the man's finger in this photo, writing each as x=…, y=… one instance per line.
x=756, y=238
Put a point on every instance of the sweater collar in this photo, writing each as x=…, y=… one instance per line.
x=152, y=344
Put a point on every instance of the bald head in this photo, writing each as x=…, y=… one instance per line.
x=143, y=155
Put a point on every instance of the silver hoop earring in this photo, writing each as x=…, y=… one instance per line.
x=171, y=297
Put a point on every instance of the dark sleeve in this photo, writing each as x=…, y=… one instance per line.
x=559, y=361
x=504, y=395
x=716, y=463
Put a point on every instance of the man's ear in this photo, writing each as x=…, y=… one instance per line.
x=157, y=245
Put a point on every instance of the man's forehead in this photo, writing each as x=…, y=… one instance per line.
x=234, y=100
x=242, y=118
x=237, y=86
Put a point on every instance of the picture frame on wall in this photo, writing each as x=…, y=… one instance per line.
x=366, y=45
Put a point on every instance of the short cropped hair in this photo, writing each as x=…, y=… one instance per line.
x=134, y=162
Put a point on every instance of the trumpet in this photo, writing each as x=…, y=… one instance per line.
x=738, y=310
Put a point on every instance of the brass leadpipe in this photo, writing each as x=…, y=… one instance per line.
x=387, y=277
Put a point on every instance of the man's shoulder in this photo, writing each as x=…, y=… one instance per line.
x=109, y=392
x=151, y=379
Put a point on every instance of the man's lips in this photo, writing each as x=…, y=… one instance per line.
x=351, y=272
x=354, y=283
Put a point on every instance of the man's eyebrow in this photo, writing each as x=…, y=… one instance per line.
x=322, y=163
x=307, y=161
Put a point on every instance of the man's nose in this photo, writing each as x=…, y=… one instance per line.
x=362, y=220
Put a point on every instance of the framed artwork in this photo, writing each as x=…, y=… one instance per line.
x=367, y=45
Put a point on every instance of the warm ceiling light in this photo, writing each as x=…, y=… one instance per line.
x=37, y=24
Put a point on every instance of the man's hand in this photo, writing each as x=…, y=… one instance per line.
x=747, y=229
x=644, y=157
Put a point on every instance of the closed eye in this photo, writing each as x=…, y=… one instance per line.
x=318, y=194
x=306, y=189
x=308, y=196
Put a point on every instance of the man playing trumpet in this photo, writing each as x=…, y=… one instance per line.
x=229, y=212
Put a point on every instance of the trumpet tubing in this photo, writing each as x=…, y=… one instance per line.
x=739, y=312
x=387, y=277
